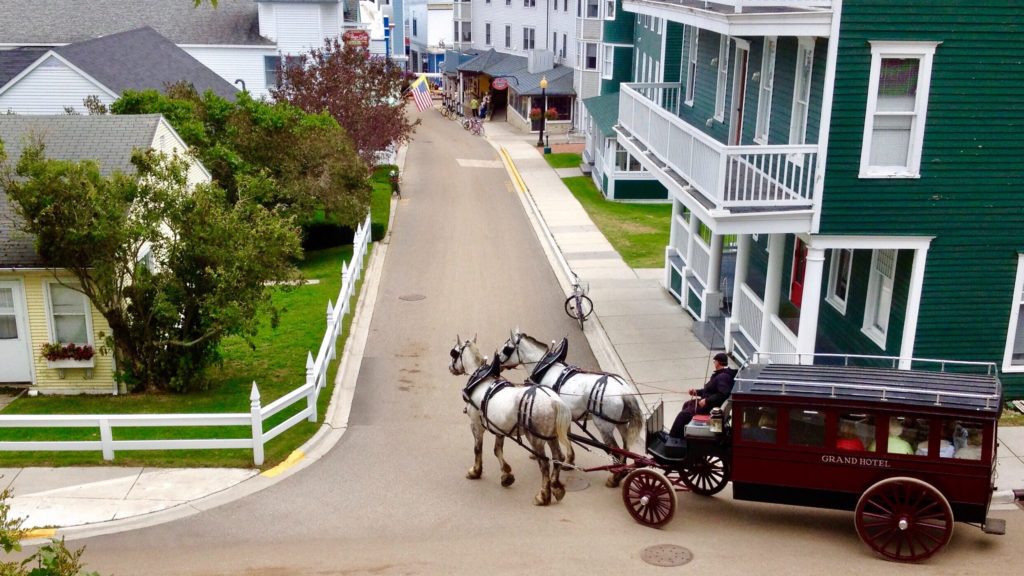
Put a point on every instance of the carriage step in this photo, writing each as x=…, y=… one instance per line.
x=995, y=526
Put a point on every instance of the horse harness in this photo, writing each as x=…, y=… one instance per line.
x=524, y=411
x=595, y=400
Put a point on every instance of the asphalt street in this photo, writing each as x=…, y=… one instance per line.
x=392, y=498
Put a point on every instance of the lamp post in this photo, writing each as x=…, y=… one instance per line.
x=544, y=108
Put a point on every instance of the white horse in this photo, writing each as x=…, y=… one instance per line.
x=531, y=415
x=607, y=400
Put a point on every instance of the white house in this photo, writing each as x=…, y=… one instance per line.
x=430, y=33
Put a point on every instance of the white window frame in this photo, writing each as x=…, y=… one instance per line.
x=584, y=64
x=487, y=34
x=587, y=4
x=608, y=61
x=529, y=37
x=1011, y=331
x=836, y=300
x=874, y=299
x=51, y=325
x=765, y=89
x=691, y=66
x=801, y=92
x=924, y=52
x=722, y=83
x=609, y=10
x=508, y=36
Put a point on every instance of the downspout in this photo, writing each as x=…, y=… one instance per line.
x=826, y=114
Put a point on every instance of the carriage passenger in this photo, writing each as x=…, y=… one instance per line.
x=713, y=395
x=848, y=439
x=896, y=444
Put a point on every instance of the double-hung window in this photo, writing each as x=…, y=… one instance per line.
x=723, y=77
x=529, y=3
x=68, y=314
x=529, y=37
x=691, y=65
x=608, y=62
x=589, y=56
x=839, y=278
x=1013, y=359
x=879, y=300
x=565, y=42
x=764, y=91
x=801, y=91
x=487, y=33
x=609, y=10
x=508, y=36
x=896, y=109
x=593, y=8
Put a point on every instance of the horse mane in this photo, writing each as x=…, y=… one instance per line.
x=533, y=340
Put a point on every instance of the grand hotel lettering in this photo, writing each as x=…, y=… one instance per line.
x=855, y=461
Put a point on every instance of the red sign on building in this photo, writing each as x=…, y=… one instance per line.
x=499, y=84
x=360, y=38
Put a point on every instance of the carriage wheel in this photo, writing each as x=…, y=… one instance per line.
x=708, y=475
x=904, y=519
x=649, y=497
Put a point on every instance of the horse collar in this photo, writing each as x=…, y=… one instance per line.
x=555, y=355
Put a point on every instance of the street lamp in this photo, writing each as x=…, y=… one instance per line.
x=544, y=108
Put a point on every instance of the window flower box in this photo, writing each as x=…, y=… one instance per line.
x=63, y=356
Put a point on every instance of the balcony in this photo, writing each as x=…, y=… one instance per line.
x=743, y=17
x=462, y=11
x=721, y=181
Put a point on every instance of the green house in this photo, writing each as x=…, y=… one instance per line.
x=845, y=175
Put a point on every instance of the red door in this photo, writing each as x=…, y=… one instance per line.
x=796, y=288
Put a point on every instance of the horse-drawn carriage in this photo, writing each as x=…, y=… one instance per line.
x=909, y=451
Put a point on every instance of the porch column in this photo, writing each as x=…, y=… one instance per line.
x=739, y=279
x=673, y=234
x=772, y=285
x=692, y=227
x=809, y=304
x=713, y=292
x=913, y=307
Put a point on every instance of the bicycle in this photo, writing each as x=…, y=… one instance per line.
x=477, y=127
x=578, y=305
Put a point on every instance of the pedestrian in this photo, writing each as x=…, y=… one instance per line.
x=474, y=105
x=484, y=106
x=713, y=395
x=395, y=189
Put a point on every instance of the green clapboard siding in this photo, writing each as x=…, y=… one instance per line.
x=640, y=190
x=674, y=36
x=619, y=30
x=622, y=70
x=969, y=194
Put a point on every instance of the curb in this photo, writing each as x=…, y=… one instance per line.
x=605, y=354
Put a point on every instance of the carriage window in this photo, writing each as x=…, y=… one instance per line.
x=806, y=427
x=905, y=435
x=963, y=438
x=759, y=424
x=856, y=431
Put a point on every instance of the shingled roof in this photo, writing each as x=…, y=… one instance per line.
x=108, y=140
x=54, y=22
x=140, y=59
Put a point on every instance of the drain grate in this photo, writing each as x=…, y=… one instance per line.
x=412, y=297
x=666, y=555
x=575, y=482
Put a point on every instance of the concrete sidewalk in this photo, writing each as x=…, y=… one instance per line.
x=637, y=330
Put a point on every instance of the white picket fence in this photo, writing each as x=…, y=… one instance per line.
x=316, y=379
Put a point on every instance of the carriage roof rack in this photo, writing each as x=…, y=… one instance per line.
x=909, y=381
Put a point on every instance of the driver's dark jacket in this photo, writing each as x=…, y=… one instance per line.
x=718, y=388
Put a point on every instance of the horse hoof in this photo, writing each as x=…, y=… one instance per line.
x=474, y=474
x=612, y=482
x=540, y=500
x=558, y=492
x=507, y=480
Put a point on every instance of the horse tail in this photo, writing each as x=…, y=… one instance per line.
x=563, y=421
x=634, y=417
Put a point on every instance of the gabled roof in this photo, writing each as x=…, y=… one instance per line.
x=483, y=60
x=605, y=112
x=53, y=22
x=108, y=140
x=495, y=63
x=140, y=59
x=12, y=62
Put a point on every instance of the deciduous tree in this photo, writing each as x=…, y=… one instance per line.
x=172, y=268
x=363, y=93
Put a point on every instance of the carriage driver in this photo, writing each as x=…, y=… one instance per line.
x=713, y=395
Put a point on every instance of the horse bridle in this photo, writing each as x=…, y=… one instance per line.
x=510, y=347
x=456, y=354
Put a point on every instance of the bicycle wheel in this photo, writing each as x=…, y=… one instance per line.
x=578, y=307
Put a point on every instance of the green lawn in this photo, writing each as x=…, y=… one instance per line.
x=638, y=232
x=564, y=160
x=277, y=365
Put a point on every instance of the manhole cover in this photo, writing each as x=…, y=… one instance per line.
x=412, y=297
x=575, y=482
x=666, y=555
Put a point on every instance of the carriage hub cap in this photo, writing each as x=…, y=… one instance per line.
x=904, y=524
x=666, y=555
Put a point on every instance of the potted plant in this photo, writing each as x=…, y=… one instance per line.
x=535, y=114
x=69, y=355
x=551, y=114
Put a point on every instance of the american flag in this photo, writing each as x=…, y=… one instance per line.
x=421, y=94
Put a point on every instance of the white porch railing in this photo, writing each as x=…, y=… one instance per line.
x=701, y=256
x=682, y=239
x=780, y=338
x=748, y=310
x=739, y=5
x=730, y=176
x=316, y=379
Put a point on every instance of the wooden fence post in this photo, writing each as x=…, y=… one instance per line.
x=106, y=439
x=256, y=415
x=330, y=331
x=311, y=378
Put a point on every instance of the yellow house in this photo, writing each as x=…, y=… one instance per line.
x=38, y=305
